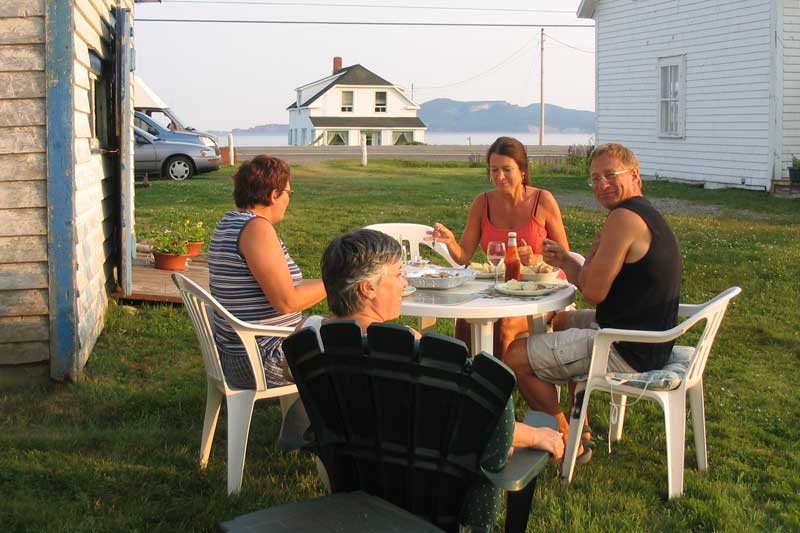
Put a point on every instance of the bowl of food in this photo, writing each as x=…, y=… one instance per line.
x=541, y=271
x=440, y=278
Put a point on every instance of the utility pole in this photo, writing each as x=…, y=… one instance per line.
x=541, y=91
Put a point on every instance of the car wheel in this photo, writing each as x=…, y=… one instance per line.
x=179, y=168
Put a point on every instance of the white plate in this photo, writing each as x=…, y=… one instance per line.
x=489, y=275
x=409, y=290
x=547, y=288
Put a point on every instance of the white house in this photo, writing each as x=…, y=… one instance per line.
x=702, y=90
x=351, y=102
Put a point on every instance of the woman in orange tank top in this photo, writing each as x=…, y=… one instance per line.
x=513, y=205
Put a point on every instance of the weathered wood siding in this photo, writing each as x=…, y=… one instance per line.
x=24, y=323
x=95, y=200
x=789, y=43
x=729, y=47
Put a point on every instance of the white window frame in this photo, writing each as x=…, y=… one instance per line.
x=348, y=108
x=384, y=107
x=674, y=102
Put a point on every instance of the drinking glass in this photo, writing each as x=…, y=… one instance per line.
x=495, y=252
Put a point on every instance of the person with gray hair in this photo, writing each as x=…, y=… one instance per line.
x=363, y=277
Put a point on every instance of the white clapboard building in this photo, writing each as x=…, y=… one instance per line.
x=66, y=181
x=350, y=103
x=704, y=91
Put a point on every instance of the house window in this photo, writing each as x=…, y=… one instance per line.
x=672, y=96
x=303, y=137
x=337, y=138
x=347, y=101
x=380, y=102
x=290, y=137
x=99, y=103
x=401, y=138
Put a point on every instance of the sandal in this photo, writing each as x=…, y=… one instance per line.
x=587, y=442
x=586, y=456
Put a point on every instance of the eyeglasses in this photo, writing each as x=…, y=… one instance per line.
x=290, y=192
x=609, y=177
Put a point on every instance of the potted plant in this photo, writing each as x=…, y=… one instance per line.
x=794, y=170
x=169, y=250
x=195, y=235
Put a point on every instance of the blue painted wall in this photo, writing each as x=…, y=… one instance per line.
x=61, y=188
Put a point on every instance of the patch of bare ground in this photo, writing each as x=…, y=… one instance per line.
x=672, y=206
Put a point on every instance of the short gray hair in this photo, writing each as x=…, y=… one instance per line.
x=352, y=258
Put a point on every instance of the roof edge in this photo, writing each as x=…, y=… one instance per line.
x=586, y=9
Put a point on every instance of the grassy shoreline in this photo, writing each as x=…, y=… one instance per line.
x=119, y=449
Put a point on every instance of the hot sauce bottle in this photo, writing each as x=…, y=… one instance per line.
x=512, y=258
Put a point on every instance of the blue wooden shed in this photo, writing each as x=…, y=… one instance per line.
x=66, y=180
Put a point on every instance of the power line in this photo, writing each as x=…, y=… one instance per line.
x=380, y=6
x=476, y=76
x=569, y=45
x=367, y=23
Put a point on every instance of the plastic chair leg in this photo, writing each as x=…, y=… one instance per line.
x=286, y=402
x=240, y=412
x=213, y=404
x=518, y=508
x=697, y=404
x=675, y=419
x=621, y=401
x=577, y=418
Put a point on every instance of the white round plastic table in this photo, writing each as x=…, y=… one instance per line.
x=482, y=312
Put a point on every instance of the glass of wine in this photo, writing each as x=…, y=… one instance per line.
x=495, y=252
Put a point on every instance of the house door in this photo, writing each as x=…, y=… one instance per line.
x=123, y=65
x=373, y=137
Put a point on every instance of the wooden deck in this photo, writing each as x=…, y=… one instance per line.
x=153, y=285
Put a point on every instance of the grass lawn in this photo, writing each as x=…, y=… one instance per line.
x=118, y=451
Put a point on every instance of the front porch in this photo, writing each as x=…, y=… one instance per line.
x=153, y=285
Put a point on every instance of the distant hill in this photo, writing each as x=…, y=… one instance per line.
x=443, y=114
x=264, y=129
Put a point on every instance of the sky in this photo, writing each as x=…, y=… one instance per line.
x=219, y=76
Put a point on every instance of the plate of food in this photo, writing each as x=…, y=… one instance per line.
x=541, y=271
x=528, y=288
x=409, y=290
x=440, y=278
x=486, y=270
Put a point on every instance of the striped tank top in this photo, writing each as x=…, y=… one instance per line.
x=238, y=291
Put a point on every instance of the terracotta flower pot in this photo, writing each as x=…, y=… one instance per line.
x=170, y=261
x=194, y=248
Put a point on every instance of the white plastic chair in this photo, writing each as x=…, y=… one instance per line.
x=200, y=305
x=672, y=401
x=578, y=257
x=415, y=235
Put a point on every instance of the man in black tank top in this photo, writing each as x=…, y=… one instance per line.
x=632, y=274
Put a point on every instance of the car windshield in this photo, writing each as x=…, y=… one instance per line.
x=178, y=124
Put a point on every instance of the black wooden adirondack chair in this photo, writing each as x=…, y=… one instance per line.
x=409, y=421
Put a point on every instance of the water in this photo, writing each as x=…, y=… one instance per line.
x=433, y=137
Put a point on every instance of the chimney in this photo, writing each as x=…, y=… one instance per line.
x=337, y=64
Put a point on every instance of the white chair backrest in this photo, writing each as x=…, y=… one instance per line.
x=415, y=235
x=198, y=304
x=201, y=307
x=578, y=257
x=713, y=312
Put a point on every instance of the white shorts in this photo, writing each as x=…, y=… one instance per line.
x=562, y=356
